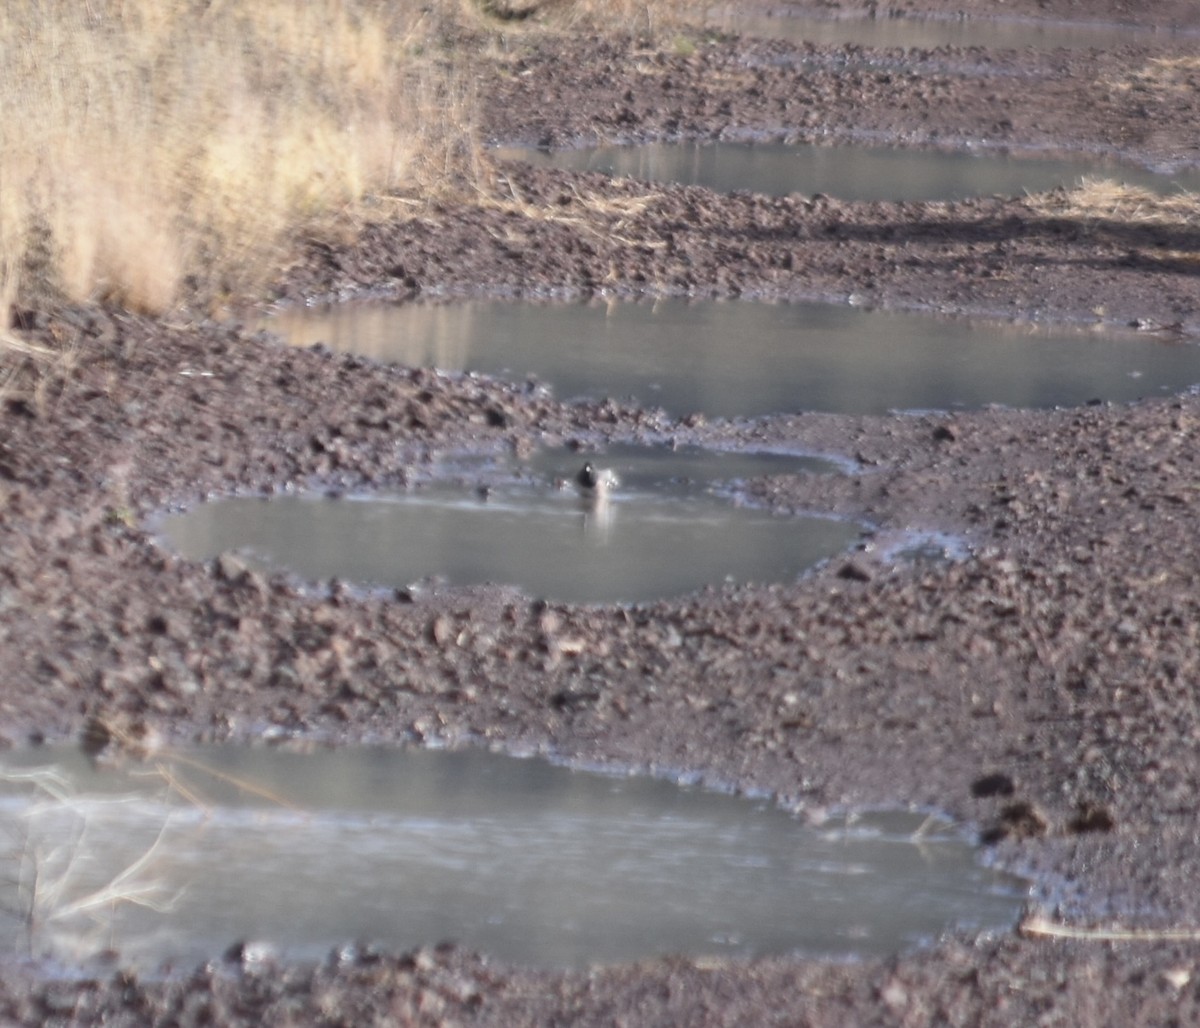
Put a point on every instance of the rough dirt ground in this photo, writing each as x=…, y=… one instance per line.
x=1044, y=689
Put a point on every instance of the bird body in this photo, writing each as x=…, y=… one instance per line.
x=595, y=482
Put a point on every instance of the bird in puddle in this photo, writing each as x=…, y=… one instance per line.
x=595, y=483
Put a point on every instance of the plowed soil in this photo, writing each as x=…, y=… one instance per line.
x=1044, y=689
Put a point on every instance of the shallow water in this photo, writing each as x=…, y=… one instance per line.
x=662, y=532
x=680, y=469
x=927, y=33
x=744, y=358
x=530, y=862
x=844, y=171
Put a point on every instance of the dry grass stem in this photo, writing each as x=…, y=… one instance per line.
x=128, y=886
x=53, y=846
x=47, y=875
x=624, y=208
x=115, y=742
x=1039, y=926
x=238, y=782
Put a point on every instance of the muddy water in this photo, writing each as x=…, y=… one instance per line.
x=845, y=172
x=662, y=531
x=729, y=359
x=531, y=862
x=927, y=33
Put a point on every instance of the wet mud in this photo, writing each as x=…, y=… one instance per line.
x=1043, y=688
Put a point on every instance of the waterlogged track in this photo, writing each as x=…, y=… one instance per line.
x=847, y=172
x=746, y=359
x=1043, y=688
x=540, y=865
x=634, y=547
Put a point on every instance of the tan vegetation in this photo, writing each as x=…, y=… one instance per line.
x=153, y=150
x=1105, y=200
x=1162, y=75
x=60, y=884
x=46, y=888
x=1161, y=229
x=1038, y=926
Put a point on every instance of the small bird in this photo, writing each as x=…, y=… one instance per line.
x=595, y=482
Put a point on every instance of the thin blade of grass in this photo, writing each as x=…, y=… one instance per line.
x=1042, y=927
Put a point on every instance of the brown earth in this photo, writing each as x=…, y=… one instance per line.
x=1163, y=14
x=1044, y=689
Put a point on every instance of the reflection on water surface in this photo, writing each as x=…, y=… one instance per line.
x=743, y=358
x=532, y=863
x=844, y=171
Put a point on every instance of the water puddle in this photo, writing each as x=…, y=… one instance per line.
x=731, y=359
x=859, y=173
x=661, y=531
x=533, y=863
x=928, y=33
x=683, y=468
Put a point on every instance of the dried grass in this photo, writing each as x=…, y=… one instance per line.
x=1097, y=199
x=48, y=870
x=595, y=209
x=632, y=17
x=159, y=154
x=1162, y=75
x=1041, y=927
x=49, y=866
x=154, y=150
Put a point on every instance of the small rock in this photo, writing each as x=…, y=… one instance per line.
x=945, y=433
x=250, y=956
x=95, y=736
x=159, y=624
x=894, y=997
x=995, y=784
x=441, y=631
x=1018, y=820
x=1177, y=977
x=230, y=567
x=1092, y=817
x=854, y=572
